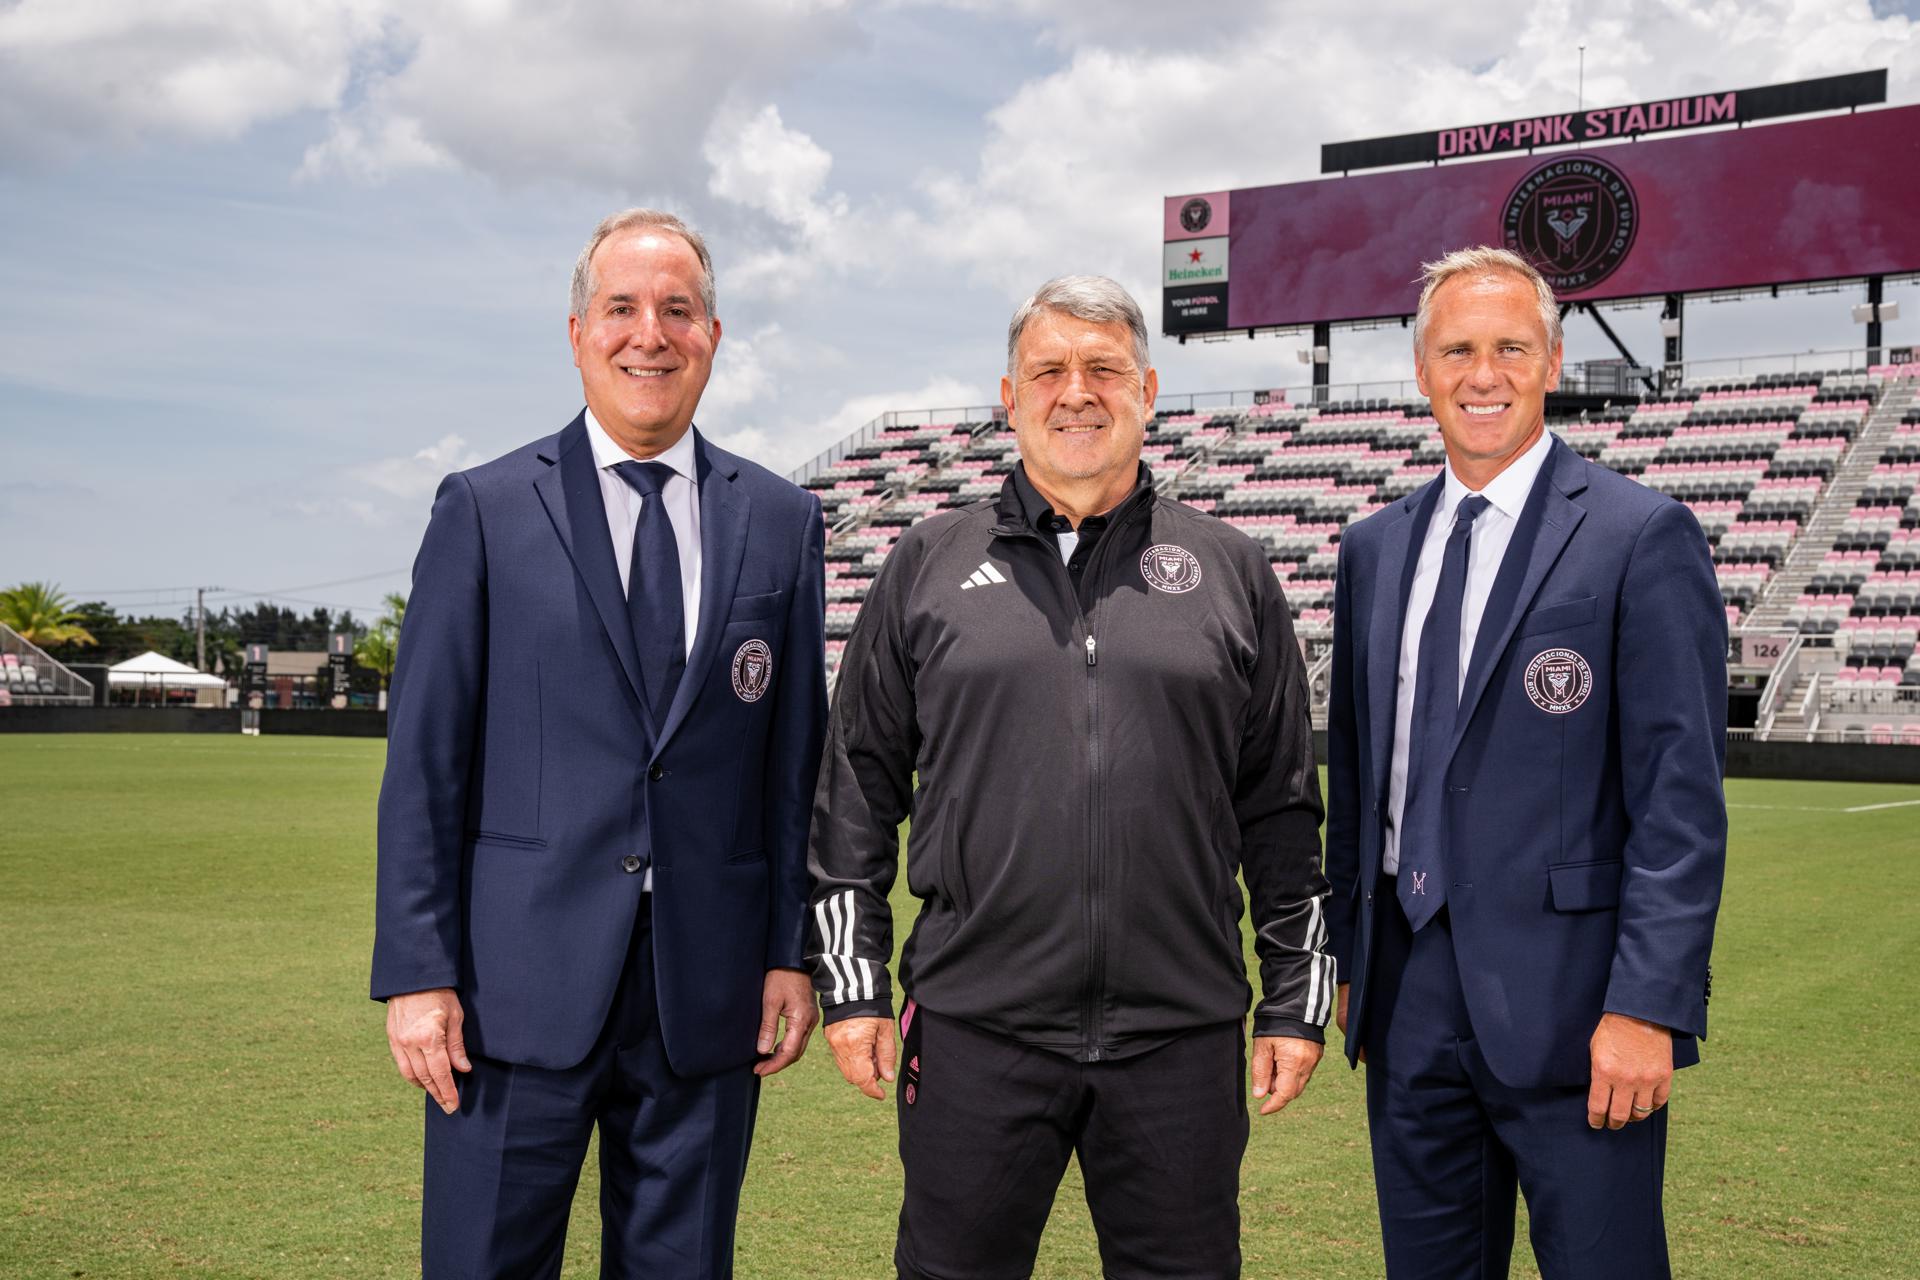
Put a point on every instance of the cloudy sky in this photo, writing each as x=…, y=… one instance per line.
x=269, y=268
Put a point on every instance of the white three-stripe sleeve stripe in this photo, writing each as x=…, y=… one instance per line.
x=838, y=993
x=852, y=975
x=1315, y=928
x=1322, y=963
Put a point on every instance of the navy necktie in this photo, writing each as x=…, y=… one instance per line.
x=655, y=605
x=1436, y=702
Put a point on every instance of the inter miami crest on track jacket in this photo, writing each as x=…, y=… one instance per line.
x=1089, y=782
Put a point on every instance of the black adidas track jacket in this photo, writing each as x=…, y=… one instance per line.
x=1089, y=782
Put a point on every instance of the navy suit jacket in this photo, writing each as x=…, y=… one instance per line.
x=523, y=766
x=1586, y=835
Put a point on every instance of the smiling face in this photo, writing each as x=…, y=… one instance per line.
x=644, y=344
x=1486, y=367
x=1079, y=404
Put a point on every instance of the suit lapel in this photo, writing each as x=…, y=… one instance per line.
x=1546, y=523
x=571, y=492
x=1399, y=557
x=723, y=541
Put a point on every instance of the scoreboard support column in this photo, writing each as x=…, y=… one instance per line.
x=1673, y=329
x=1322, y=360
x=1873, y=325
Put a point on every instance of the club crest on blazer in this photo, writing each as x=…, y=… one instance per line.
x=1558, y=681
x=752, y=670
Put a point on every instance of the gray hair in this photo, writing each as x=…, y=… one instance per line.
x=1482, y=260
x=1092, y=298
x=627, y=220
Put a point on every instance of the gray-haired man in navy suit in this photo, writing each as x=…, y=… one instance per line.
x=606, y=724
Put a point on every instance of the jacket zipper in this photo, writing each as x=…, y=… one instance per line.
x=1092, y=1019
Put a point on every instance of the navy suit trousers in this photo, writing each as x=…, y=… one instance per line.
x=501, y=1171
x=1451, y=1142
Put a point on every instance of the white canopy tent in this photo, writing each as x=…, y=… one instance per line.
x=158, y=672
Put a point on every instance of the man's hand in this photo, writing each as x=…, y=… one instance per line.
x=1632, y=1070
x=787, y=993
x=1340, y=1014
x=423, y=1030
x=1282, y=1065
x=864, y=1051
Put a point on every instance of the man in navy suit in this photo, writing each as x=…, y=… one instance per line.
x=605, y=726
x=1525, y=828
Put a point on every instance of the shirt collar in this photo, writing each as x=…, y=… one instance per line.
x=1506, y=492
x=679, y=455
x=1039, y=512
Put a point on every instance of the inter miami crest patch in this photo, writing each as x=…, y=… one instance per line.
x=1169, y=568
x=1575, y=218
x=1558, y=681
x=752, y=670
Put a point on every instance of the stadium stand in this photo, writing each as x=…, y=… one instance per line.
x=1805, y=482
x=29, y=678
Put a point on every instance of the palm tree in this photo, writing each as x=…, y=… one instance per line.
x=379, y=649
x=41, y=614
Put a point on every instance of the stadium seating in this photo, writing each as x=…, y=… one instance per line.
x=29, y=677
x=1756, y=458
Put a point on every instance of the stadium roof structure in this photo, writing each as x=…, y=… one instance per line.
x=157, y=671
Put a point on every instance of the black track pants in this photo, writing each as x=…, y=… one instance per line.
x=987, y=1125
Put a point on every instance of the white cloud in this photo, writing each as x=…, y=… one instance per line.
x=196, y=69
x=760, y=163
x=604, y=93
x=418, y=474
x=742, y=371
x=369, y=151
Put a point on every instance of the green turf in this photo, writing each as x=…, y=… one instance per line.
x=192, y=1081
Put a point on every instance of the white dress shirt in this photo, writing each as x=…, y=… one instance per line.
x=1506, y=494
x=622, y=501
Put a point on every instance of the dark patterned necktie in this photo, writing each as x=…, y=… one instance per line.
x=656, y=607
x=1436, y=703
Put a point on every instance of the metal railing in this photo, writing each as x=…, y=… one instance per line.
x=1900, y=697
x=871, y=431
x=1785, y=672
x=1809, y=705
x=34, y=679
x=1784, y=362
x=1852, y=733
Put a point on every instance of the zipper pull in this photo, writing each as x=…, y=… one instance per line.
x=1089, y=650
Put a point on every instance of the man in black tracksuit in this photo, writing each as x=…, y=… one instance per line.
x=1100, y=691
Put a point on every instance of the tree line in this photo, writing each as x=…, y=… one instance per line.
x=94, y=631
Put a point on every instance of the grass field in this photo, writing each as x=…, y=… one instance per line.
x=192, y=1081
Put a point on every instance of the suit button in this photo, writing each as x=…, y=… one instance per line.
x=656, y=773
x=631, y=863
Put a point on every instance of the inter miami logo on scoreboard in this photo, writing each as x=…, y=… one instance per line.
x=1575, y=218
x=1195, y=214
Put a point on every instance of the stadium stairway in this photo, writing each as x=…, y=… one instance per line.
x=1850, y=480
